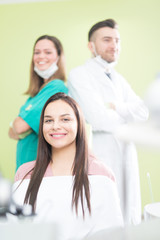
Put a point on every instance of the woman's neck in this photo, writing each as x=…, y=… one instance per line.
x=62, y=161
x=49, y=79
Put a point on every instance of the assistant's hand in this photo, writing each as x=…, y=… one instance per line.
x=12, y=134
x=17, y=128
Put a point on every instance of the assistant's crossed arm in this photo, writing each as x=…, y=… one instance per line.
x=19, y=126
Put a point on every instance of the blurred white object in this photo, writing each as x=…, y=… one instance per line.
x=5, y=195
x=148, y=230
x=142, y=134
x=150, y=186
x=5, y=191
x=8, y=206
x=152, y=99
x=152, y=211
x=28, y=230
x=27, y=210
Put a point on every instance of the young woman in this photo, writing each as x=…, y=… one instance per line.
x=65, y=184
x=47, y=76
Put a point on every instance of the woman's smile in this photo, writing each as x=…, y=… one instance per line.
x=58, y=135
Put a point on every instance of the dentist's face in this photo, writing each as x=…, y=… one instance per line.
x=106, y=42
x=45, y=54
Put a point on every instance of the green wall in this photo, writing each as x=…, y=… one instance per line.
x=21, y=24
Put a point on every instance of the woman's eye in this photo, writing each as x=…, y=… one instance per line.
x=36, y=53
x=49, y=52
x=65, y=119
x=48, y=121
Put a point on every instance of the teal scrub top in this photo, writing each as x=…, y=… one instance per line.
x=30, y=112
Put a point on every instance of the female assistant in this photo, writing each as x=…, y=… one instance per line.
x=47, y=76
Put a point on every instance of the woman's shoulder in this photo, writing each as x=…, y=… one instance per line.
x=23, y=170
x=97, y=167
x=26, y=169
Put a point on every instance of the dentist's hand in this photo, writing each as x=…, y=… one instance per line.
x=111, y=105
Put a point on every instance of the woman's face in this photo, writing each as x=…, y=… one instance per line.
x=44, y=54
x=60, y=125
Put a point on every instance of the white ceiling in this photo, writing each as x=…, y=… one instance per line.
x=26, y=1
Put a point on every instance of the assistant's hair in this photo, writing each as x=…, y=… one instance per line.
x=106, y=23
x=80, y=165
x=36, y=81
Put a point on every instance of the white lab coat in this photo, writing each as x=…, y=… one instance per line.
x=92, y=89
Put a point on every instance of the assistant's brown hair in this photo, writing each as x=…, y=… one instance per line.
x=106, y=23
x=80, y=165
x=36, y=81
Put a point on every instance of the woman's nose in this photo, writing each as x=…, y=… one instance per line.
x=41, y=55
x=56, y=125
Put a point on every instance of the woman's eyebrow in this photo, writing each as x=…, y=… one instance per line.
x=47, y=116
x=65, y=114
x=62, y=115
x=38, y=49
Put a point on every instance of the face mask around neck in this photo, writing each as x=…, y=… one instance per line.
x=46, y=74
x=104, y=63
x=100, y=60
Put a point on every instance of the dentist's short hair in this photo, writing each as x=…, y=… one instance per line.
x=106, y=23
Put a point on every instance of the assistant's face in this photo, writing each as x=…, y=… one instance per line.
x=107, y=43
x=60, y=125
x=45, y=54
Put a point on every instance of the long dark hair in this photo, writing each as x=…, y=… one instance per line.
x=80, y=165
x=36, y=82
